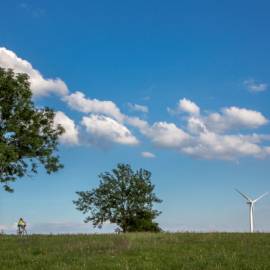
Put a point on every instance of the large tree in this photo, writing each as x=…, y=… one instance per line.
x=124, y=197
x=28, y=135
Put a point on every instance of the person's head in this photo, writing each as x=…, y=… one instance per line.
x=21, y=218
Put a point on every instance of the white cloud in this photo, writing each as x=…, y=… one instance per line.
x=203, y=136
x=138, y=108
x=142, y=125
x=148, y=155
x=164, y=134
x=235, y=118
x=208, y=141
x=254, y=86
x=208, y=136
x=79, y=102
x=71, y=134
x=209, y=145
x=202, y=142
x=244, y=117
x=39, y=85
x=104, y=129
x=196, y=125
x=188, y=106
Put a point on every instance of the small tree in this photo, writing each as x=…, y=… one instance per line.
x=124, y=197
x=28, y=136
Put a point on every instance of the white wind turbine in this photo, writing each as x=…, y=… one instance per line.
x=251, y=203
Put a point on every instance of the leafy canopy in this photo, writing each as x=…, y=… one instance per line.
x=124, y=197
x=28, y=136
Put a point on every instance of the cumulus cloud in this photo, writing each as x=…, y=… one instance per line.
x=196, y=125
x=142, y=125
x=165, y=134
x=205, y=135
x=71, y=134
x=39, y=85
x=162, y=134
x=79, y=102
x=235, y=118
x=210, y=136
x=205, y=144
x=209, y=145
x=138, y=108
x=185, y=105
x=188, y=106
x=254, y=86
x=105, y=129
x=148, y=155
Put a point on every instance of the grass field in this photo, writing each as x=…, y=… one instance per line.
x=137, y=251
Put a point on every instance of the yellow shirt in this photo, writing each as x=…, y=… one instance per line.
x=21, y=223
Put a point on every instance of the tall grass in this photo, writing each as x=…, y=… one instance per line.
x=137, y=251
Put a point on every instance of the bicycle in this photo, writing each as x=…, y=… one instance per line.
x=21, y=230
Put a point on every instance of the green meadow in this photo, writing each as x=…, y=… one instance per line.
x=137, y=251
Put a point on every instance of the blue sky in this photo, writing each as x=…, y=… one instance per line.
x=199, y=71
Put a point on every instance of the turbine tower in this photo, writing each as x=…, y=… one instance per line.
x=251, y=203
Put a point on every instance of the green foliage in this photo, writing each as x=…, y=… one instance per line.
x=143, y=222
x=124, y=197
x=137, y=251
x=28, y=136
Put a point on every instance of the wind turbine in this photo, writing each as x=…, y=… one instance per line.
x=251, y=203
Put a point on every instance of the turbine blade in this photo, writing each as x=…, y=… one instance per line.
x=245, y=196
x=260, y=197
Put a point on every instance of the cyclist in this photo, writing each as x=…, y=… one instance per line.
x=21, y=226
